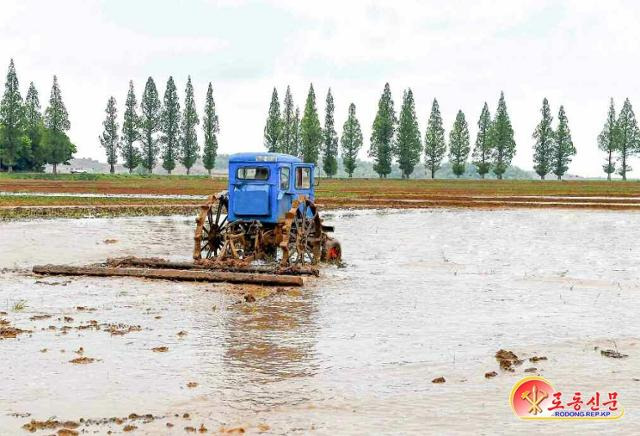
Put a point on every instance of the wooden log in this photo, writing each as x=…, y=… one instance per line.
x=154, y=262
x=171, y=274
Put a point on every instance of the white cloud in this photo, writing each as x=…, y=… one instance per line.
x=576, y=53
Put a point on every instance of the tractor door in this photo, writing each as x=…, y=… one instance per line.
x=303, y=180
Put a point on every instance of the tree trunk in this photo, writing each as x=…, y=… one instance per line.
x=130, y=170
x=433, y=173
x=10, y=169
x=482, y=176
x=188, y=170
x=169, y=172
x=209, y=170
x=350, y=175
x=609, y=167
x=55, y=168
x=499, y=176
x=541, y=176
x=559, y=176
x=112, y=170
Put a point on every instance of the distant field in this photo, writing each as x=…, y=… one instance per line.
x=330, y=193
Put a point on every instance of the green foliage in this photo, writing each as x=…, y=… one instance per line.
x=330, y=149
x=150, y=123
x=628, y=138
x=57, y=123
x=608, y=140
x=351, y=141
x=34, y=158
x=189, y=139
x=408, y=145
x=287, y=140
x=382, y=131
x=459, y=144
x=545, y=142
x=14, y=141
x=482, y=150
x=502, y=143
x=273, y=126
x=434, y=143
x=130, y=132
x=211, y=128
x=170, y=126
x=310, y=130
x=109, y=138
x=563, y=149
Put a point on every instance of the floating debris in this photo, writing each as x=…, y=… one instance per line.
x=613, y=354
x=39, y=317
x=531, y=369
x=507, y=359
x=490, y=374
x=192, y=384
x=537, y=358
x=162, y=349
x=82, y=360
x=438, y=380
x=129, y=427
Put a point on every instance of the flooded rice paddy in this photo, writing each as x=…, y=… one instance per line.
x=424, y=294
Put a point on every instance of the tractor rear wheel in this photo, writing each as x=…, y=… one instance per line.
x=211, y=227
x=302, y=242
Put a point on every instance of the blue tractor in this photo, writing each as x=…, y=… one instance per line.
x=267, y=213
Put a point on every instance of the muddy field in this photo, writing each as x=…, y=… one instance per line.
x=42, y=195
x=424, y=294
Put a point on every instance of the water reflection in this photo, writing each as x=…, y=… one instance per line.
x=266, y=345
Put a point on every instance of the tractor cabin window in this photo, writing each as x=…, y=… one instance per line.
x=252, y=173
x=284, y=179
x=303, y=178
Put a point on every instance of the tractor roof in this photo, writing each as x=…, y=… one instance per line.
x=263, y=157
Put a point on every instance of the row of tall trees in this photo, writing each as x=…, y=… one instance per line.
x=400, y=138
x=30, y=139
x=553, y=149
x=160, y=130
x=619, y=139
x=286, y=132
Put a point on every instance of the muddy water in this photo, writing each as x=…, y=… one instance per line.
x=424, y=294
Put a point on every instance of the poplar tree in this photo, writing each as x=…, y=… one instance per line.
x=382, y=131
x=434, y=142
x=482, y=150
x=330, y=158
x=170, y=126
x=608, y=141
x=408, y=145
x=273, y=126
x=351, y=141
x=459, y=144
x=628, y=138
x=286, y=141
x=502, y=142
x=297, y=137
x=562, y=148
x=14, y=141
x=35, y=130
x=109, y=138
x=211, y=128
x=57, y=123
x=310, y=130
x=189, y=138
x=544, y=146
x=150, y=122
x=130, y=132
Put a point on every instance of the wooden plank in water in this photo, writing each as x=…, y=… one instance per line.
x=172, y=274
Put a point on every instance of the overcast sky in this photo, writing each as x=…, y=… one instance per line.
x=576, y=53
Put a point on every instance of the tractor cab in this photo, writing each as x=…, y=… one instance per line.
x=263, y=186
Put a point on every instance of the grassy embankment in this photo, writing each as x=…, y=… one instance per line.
x=331, y=193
